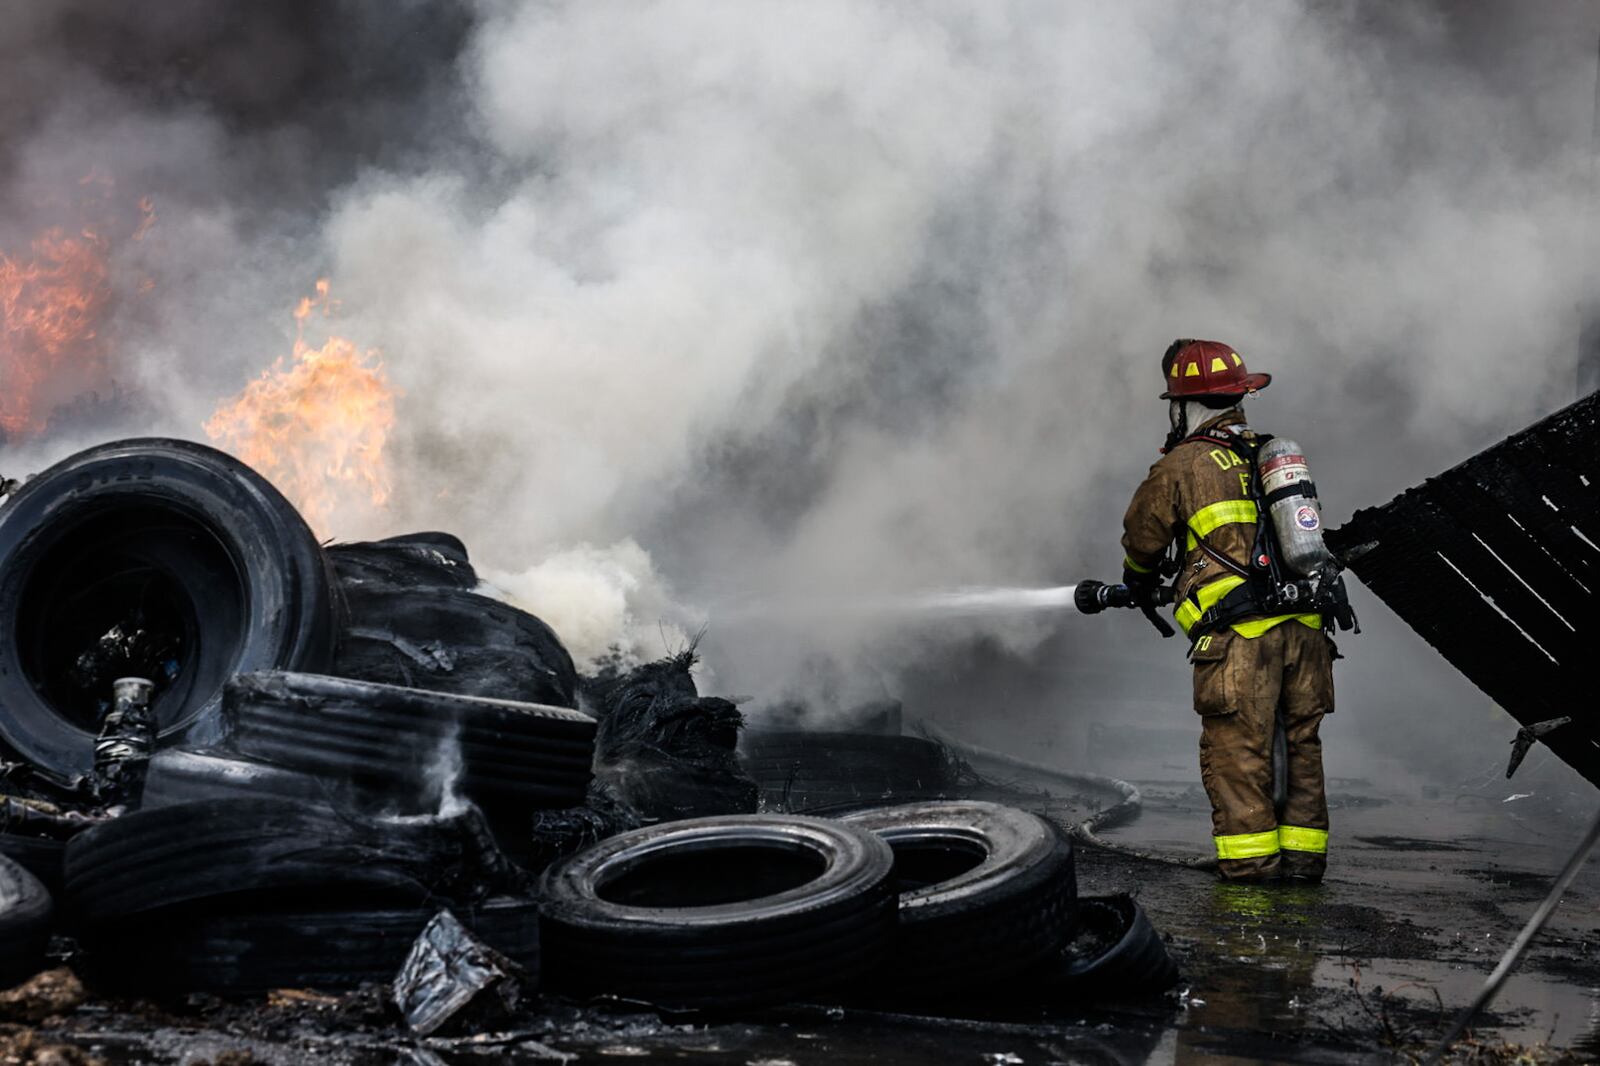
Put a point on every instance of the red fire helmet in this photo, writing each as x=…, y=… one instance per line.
x=1208, y=368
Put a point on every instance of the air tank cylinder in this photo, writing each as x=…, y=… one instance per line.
x=1292, y=506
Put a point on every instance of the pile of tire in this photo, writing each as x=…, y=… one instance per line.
x=241, y=896
x=912, y=904
x=801, y=771
x=175, y=536
x=355, y=678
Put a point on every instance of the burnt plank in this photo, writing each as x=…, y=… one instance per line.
x=1448, y=526
x=1553, y=533
x=1423, y=589
x=1521, y=521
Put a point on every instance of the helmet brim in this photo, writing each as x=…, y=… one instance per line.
x=1250, y=383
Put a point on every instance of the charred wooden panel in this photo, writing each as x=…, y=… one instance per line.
x=1496, y=563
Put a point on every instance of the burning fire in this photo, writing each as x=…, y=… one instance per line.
x=317, y=427
x=51, y=307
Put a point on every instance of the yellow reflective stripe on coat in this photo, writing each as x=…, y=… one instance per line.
x=1202, y=599
x=1137, y=568
x=1247, y=845
x=1208, y=519
x=1254, y=627
x=1298, y=838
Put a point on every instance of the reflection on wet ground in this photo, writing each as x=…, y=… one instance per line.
x=1423, y=895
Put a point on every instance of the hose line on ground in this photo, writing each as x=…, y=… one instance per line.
x=1124, y=810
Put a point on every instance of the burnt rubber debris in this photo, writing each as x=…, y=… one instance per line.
x=235, y=761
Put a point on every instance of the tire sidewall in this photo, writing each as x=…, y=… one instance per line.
x=291, y=606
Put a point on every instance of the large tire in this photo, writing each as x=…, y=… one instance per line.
x=40, y=856
x=453, y=640
x=333, y=949
x=25, y=911
x=800, y=771
x=1136, y=961
x=197, y=540
x=511, y=754
x=411, y=561
x=728, y=911
x=181, y=775
x=268, y=849
x=987, y=892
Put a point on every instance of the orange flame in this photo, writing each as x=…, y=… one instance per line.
x=317, y=427
x=51, y=306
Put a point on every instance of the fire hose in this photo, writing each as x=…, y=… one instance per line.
x=1124, y=810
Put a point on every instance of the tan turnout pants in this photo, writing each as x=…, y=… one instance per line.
x=1240, y=686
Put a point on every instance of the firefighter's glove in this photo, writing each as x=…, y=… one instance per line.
x=1136, y=579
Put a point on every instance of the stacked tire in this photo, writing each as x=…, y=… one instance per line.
x=25, y=912
x=812, y=771
x=987, y=893
x=989, y=907
x=40, y=856
x=1117, y=953
x=411, y=744
x=721, y=912
x=240, y=896
x=916, y=904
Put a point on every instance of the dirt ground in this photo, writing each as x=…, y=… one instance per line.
x=1424, y=893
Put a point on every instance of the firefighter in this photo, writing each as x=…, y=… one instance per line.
x=1257, y=667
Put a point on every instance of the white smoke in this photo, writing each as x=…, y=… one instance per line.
x=608, y=604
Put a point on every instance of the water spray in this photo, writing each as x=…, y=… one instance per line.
x=1085, y=597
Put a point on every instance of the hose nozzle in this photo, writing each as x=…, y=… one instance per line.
x=1092, y=597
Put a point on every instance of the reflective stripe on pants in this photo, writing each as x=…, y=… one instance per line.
x=1299, y=838
x=1247, y=845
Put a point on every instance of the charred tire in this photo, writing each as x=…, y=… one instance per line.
x=1137, y=962
x=453, y=640
x=181, y=775
x=522, y=753
x=801, y=771
x=986, y=892
x=40, y=856
x=325, y=948
x=725, y=911
x=412, y=561
x=184, y=533
x=25, y=911
x=152, y=859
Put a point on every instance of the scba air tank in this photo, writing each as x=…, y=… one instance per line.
x=1292, y=505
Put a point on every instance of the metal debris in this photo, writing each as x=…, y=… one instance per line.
x=1525, y=739
x=122, y=751
x=449, y=971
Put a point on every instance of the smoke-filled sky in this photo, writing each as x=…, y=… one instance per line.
x=726, y=300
